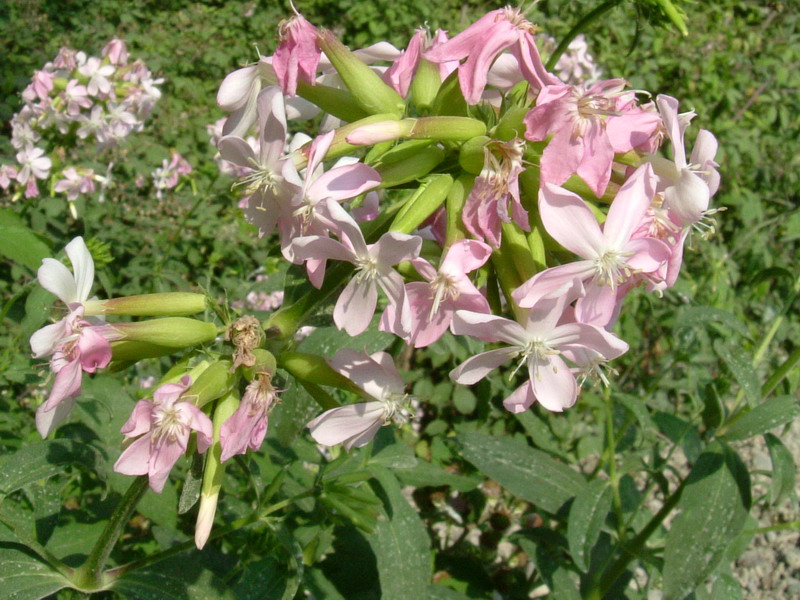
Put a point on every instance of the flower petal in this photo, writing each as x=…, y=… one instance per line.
x=356, y=306
x=476, y=368
x=554, y=385
x=56, y=279
x=82, y=267
x=489, y=328
x=567, y=218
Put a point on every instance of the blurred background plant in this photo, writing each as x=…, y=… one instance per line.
x=729, y=328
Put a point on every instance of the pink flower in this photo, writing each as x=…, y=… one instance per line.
x=445, y=291
x=403, y=69
x=76, y=97
x=356, y=304
x=687, y=187
x=42, y=84
x=75, y=184
x=238, y=94
x=116, y=52
x=247, y=427
x=540, y=345
x=354, y=425
x=98, y=75
x=80, y=348
x=7, y=175
x=297, y=56
x=162, y=427
x=483, y=41
x=33, y=165
x=611, y=256
x=588, y=127
x=495, y=190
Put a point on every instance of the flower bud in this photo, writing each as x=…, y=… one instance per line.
x=425, y=85
x=443, y=129
x=456, y=198
x=214, y=382
x=423, y=203
x=214, y=472
x=471, y=156
x=337, y=102
x=449, y=100
x=411, y=169
x=173, y=304
x=369, y=91
x=265, y=361
x=169, y=332
x=313, y=368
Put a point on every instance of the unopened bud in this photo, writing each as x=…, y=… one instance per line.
x=411, y=169
x=471, y=156
x=425, y=85
x=214, y=472
x=313, y=368
x=174, y=304
x=443, y=129
x=169, y=332
x=214, y=382
x=368, y=89
x=423, y=203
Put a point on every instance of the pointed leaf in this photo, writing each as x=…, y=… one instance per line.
x=24, y=577
x=784, y=470
x=586, y=518
x=179, y=577
x=42, y=460
x=741, y=366
x=714, y=506
x=19, y=243
x=768, y=415
x=265, y=579
x=525, y=472
x=691, y=316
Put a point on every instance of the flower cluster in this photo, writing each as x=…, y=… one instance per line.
x=102, y=99
x=547, y=156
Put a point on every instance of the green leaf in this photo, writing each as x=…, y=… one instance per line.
x=264, y=579
x=714, y=506
x=539, y=432
x=181, y=577
x=741, y=365
x=586, y=518
x=24, y=577
x=400, y=544
x=784, y=470
x=426, y=474
x=691, y=316
x=525, y=472
x=726, y=587
x=325, y=341
x=767, y=415
x=19, y=243
x=42, y=460
x=290, y=416
x=440, y=592
x=464, y=400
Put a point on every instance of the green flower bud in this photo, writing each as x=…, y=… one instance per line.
x=337, y=102
x=214, y=382
x=423, y=203
x=313, y=368
x=411, y=169
x=169, y=332
x=471, y=157
x=425, y=85
x=171, y=304
x=449, y=100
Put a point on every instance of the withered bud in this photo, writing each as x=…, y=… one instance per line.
x=245, y=334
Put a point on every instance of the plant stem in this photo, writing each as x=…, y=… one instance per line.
x=781, y=372
x=90, y=574
x=611, y=448
x=630, y=551
x=579, y=28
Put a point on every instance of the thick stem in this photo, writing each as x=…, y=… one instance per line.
x=630, y=551
x=579, y=28
x=90, y=575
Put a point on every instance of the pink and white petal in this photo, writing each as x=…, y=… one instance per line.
x=163, y=456
x=235, y=89
x=425, y=269
x=94, y=350
x=598, y=155
x=344, y=225
x=343, y=183
x=631, y=130
x=465, y=256
x=561, y=157
x=82, y=267
x=67, y=384
x=140, y=421
x=554, y=384
x=425, y=329
x=234, y=149
x=44, y=340
x=393, y=248
x=597, y=306
x=362, y=439
x=469, y=298
x=200, y=423
x=135, y=459
x=688, y=199
x=668, y=108
x=630, y=206
x=318, y=247
x=479, y=366
x=600, y=341
x=340, y=424
x=552, y=282
x=567, y=218
x=462, y=44
x=56, y=279
x=648, y=254
x=272, y=124
x=472, y=74
x=489, y=328
x=317, y=151
x=521, y=399
x=356, y=306
x=392, y=285
x=48, y=420
x=169, y=393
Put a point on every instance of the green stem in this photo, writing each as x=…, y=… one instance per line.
x=781, y=372
x=632, y=550
x=579, y=28
x=217, y=532
x=90, y=574
x=611, y=448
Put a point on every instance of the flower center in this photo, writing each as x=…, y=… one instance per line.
x=611, y=268
x=396, y=407
x=366, y=269
x=168, y=423
x=262, y=179
x=444, y=288
x=535, y=350
x=518, y=20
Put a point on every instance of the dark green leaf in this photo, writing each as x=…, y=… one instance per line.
x=714, y=505
x=19, y=243
x=784, y=470
x=464, y=400
x=180, y=577
x=741, y=365
x=325, y=341
x=767, y=415
x=692, y=316
x=586, y=517
x=42, y=460
x=426, y=474
x=24, y=577
x=265, y=580
x=525, y=472
x=726, y=587
x=401, y=545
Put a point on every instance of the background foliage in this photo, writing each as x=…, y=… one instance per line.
x=697, y=356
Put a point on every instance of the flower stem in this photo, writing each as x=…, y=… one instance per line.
x=579, y=28
x=89, y=576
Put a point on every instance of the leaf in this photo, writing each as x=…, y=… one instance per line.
x=426, y=474
x=741, y=366
x=23, y=577
x=42, y=460
x=400, y=544
x=440, y=592
x=464, y=400
x=784, y=470
x=325, y=341
x=264, y=579
x=539, y=432
x=180, y=577
x=525, y=472
x=691, y=316
x=767, y=415
x=290, y=416
x=19, y=243
x=586, y=518
x=395, y=456
x=726, y=587
x=714, y=506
